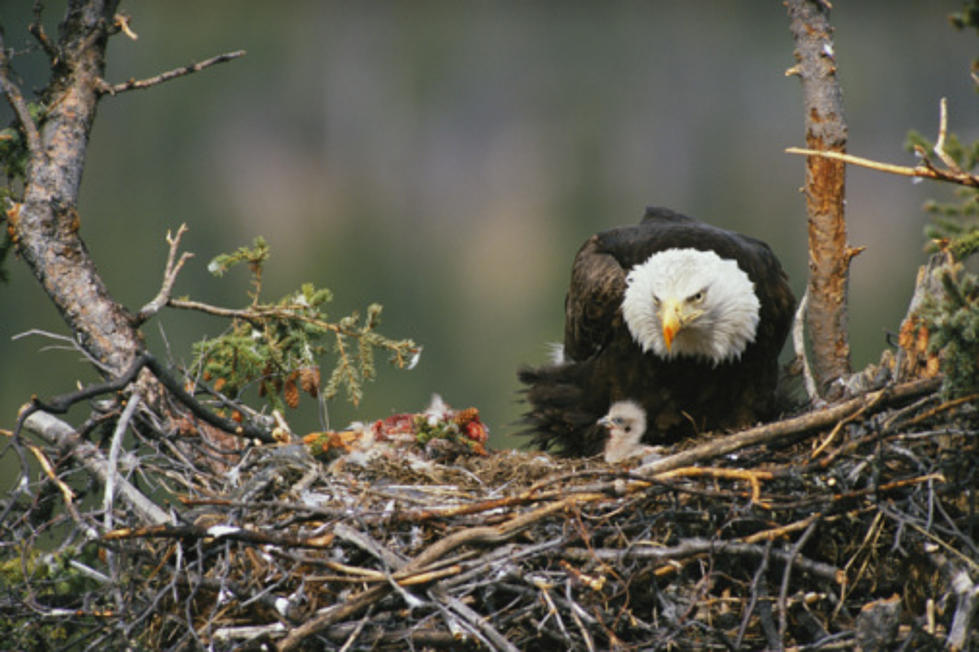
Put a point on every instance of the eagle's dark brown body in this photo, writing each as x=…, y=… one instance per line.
x=603, y=363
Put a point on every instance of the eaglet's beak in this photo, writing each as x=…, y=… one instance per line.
x=671, y=320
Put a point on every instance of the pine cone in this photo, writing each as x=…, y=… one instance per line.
x=290, y=391
x=309, y=380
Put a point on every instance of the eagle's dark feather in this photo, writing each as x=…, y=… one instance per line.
x=604, y=364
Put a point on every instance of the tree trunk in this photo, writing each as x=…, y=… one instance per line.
x=45, y=226
x=829, y=254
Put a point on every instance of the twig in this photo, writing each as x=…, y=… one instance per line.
x=697, y=546
x=113, y=461
x=36, y=28
x=122, y=22
x=133, y=84
x=786, y=575
x=17, y=103
x=939, y=147
x=753, y=600
x=170, y=272
x=67, y=494
x=842, y=422
x=575, y=610
x=751, y=476
x=473, y=619
x=357, y=630
x=961, y=178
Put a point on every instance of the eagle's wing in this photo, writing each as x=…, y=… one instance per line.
x=593, y=300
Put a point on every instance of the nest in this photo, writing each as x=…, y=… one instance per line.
x=850, y=526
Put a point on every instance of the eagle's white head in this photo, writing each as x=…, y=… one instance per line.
x=686, y=302
x=626, y=424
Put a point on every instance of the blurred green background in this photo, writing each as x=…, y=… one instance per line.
x=446, y=159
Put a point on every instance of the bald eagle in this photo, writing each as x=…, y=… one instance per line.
x=626, y=424
x=683, y=318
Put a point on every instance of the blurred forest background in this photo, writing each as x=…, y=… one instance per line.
x=446, y=159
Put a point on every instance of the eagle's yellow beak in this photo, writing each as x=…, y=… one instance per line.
x=670, y=318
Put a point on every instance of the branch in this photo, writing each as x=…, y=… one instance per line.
x=58, y=433
x=170, y=272
x=779, y=429
x=262, y=312
x=16, y=101
x=695, y=546
x=61, y=404
x=922, y=171
x=133, y=84
x=952, y=173
x=36, y=28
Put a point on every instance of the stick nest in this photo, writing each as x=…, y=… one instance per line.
x=860, y=532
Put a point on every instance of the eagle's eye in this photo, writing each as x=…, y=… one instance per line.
x=656, y=301
x=698, y=297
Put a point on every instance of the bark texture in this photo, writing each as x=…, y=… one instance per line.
x=829, y=254
x=45, y=226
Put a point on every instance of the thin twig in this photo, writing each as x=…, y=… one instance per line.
x=134, y=84
x=17, y=103
x=939, y=147
x=36, y=28
x=786, y=575
x=170, y=272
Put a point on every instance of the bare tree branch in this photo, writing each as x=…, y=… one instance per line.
x=132, y=84
x=170, y=272
x=58, y=433
x=952, y=173
x=16, y=101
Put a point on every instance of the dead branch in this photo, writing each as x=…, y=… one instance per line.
x=133, y=84
x=952, y=173
x=61, y=435
x=170, y=272
x=16, y=101
x=922, y=171
x=774, y=431
x=60, y=404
